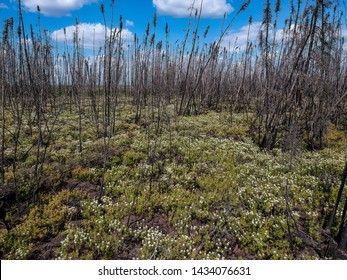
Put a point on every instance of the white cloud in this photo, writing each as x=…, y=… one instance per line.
x=240, y=37
x=181, y=8
x=89, y=33
x=56, y=8
x=3, y=6
x=129, y=23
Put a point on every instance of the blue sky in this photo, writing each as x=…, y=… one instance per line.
x=59, y=14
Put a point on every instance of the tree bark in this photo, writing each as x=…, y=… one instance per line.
x=338, y=199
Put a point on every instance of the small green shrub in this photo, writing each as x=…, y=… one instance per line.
x=131, y=158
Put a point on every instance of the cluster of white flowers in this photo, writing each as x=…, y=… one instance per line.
x=21, y=253
x=116, y=227
x=69, y=212
x=91, y=208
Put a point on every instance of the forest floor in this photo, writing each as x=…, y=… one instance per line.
x=195, y=187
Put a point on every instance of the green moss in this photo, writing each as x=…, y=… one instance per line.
x=132, y=157
x=336, y=139
x=42, y=223
x=91, y=175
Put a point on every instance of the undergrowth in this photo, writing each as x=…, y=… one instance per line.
x=199, y=189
